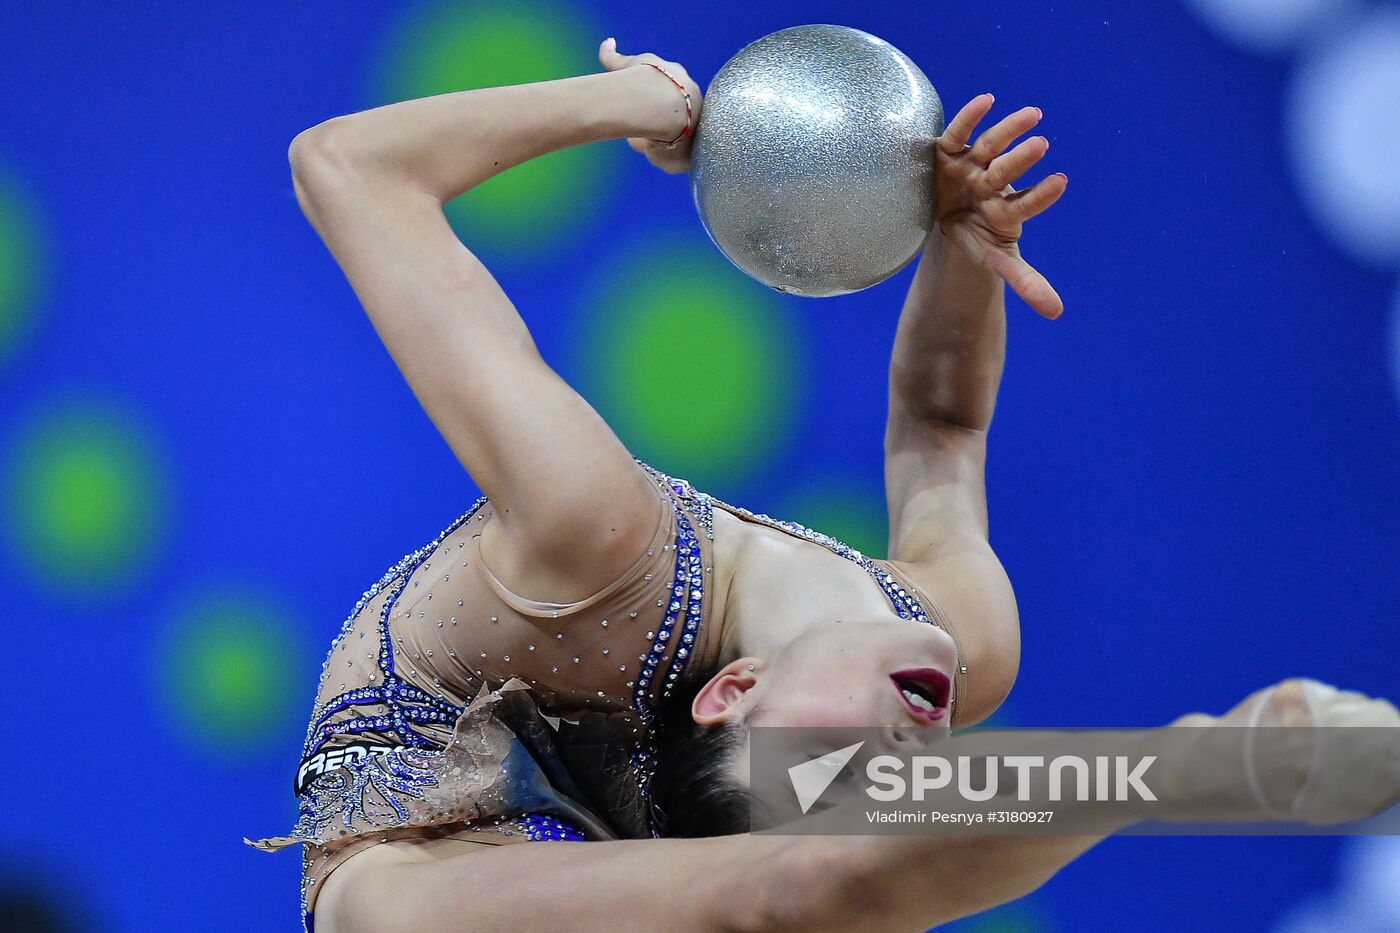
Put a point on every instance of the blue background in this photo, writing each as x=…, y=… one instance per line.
x=1192, y=476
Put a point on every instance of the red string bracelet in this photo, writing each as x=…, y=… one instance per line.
x=689, y=109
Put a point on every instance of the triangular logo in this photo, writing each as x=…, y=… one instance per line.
x=811, y=778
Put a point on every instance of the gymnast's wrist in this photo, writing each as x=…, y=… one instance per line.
x=656, y=107
x=948, y=262
x=941, y=248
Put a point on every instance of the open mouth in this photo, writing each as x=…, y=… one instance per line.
x=924, y=692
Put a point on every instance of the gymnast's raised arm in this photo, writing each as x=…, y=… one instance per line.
x=944, y=373
x=574, y=508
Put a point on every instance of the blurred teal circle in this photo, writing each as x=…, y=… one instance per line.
x=697, y=367
x=454, y=47
x=230, y=670
x=846, y=510
x=87, y=496
x=23, y=261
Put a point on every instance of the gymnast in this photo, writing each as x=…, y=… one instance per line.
x=577, y=657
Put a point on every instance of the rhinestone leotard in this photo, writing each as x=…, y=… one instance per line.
x=451, y=707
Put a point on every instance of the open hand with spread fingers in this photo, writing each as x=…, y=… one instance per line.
x=977, y=207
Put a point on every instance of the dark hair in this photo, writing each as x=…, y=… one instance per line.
x=693, y=792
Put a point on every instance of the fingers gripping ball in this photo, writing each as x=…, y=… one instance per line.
x=813, y=160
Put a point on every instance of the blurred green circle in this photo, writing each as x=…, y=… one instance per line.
x=86, y=498
x=843, y=511
x=21, y=264
x=230, y=670
x=694, y=365
x=455, y=47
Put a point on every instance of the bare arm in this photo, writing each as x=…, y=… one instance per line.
x=883, y=884
x=944, y=373
x=771, y=884
x=574, y=507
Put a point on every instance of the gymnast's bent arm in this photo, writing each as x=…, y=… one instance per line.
x=574, y=508
x=944, y=372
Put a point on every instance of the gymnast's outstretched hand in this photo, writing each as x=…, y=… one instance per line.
x=977, y=208
x=1309, y=752
x=672, y=157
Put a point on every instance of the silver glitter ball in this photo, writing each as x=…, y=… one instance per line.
x=812, y=166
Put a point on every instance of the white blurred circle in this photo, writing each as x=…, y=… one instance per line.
x=1375, y=879
x=1363, y=900
x=1344, y=132
x=1268, y=26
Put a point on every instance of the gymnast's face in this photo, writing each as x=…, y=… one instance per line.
x=888, y=673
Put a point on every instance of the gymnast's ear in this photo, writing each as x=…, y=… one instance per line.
x=721, y=701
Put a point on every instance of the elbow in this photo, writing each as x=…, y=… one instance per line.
x=936, y=431
x=324, y=159
x=319, y=151
x=342, y=154
x=304, y=148
x=952, y=389
x=812, y=886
